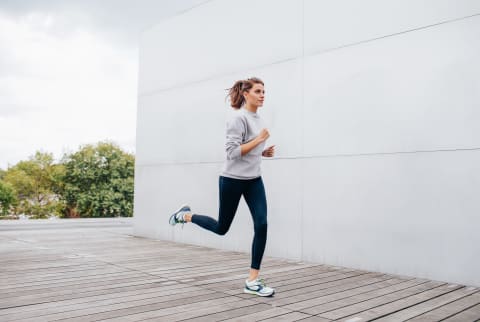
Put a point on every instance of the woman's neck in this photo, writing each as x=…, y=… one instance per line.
x=251, y=108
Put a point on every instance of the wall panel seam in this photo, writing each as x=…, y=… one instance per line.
x=214, y=77
x=319, y=156
x=319, y=52
x=302, y=118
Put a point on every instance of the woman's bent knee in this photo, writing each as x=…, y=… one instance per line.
x=222, y=231
x=261, y=228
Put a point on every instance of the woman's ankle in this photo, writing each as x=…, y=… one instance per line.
x=253, y=274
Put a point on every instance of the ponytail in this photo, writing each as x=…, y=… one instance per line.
x=236, y=94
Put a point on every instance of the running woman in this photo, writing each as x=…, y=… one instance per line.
x=246, y=136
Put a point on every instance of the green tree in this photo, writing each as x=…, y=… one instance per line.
x=33, y=181
x=98, y=181
x=7, y=197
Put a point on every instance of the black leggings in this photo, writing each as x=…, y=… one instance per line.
x=230, y=192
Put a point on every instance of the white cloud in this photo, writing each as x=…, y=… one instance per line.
x=68, y=72
x=57, y=93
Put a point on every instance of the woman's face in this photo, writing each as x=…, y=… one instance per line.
x=255, y=96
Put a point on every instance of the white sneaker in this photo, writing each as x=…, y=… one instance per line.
x=258, y=287
x=178, y=216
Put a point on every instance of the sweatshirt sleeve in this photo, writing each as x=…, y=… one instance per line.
x=235, y=134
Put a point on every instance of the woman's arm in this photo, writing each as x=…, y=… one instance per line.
x=236, y=129
x=249, y=146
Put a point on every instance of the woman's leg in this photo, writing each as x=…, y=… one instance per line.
x=230, y=192
x=257, y=203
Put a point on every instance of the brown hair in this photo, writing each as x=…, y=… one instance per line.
x=240, y=86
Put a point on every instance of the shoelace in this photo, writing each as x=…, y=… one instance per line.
x=261, y=281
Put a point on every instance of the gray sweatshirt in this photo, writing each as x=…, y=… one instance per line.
x=243, y=127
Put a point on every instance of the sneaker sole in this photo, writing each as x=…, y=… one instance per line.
x=257, y=293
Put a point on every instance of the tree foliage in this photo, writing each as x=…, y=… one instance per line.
x=97, y=181
x=33, y=183
x=7, y=197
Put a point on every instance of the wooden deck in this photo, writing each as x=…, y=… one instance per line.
x=94, y=270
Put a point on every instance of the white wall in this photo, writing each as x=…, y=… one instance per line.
x=374, y=107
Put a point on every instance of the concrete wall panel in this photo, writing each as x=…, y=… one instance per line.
x=416, y=91
x=412, y=214
x=187, y=124
x=333, y=24
x=219, y=37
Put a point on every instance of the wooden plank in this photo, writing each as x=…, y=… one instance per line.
x=348, y=298
x=72, y=279
x=259, y=316
x=103, y=312
x=471, y=314
x=294, y=316
x=449, y=309
x=369, y=300
x=428, y=305
x=67, y=294
x=48, y=288
x=329, y=298
x=30, y=293
x=402, y=303
x=355, y=284
x=315, y=319
x=69, y=302
x=201, y=313
x=156, y=297
x=231, y=313
x=182, y=311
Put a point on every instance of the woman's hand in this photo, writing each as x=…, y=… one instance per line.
x=269, y=152
x=263, y=136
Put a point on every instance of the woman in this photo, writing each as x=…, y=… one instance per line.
x=241, y=175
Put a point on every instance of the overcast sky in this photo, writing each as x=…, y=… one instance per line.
x=68, y=72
